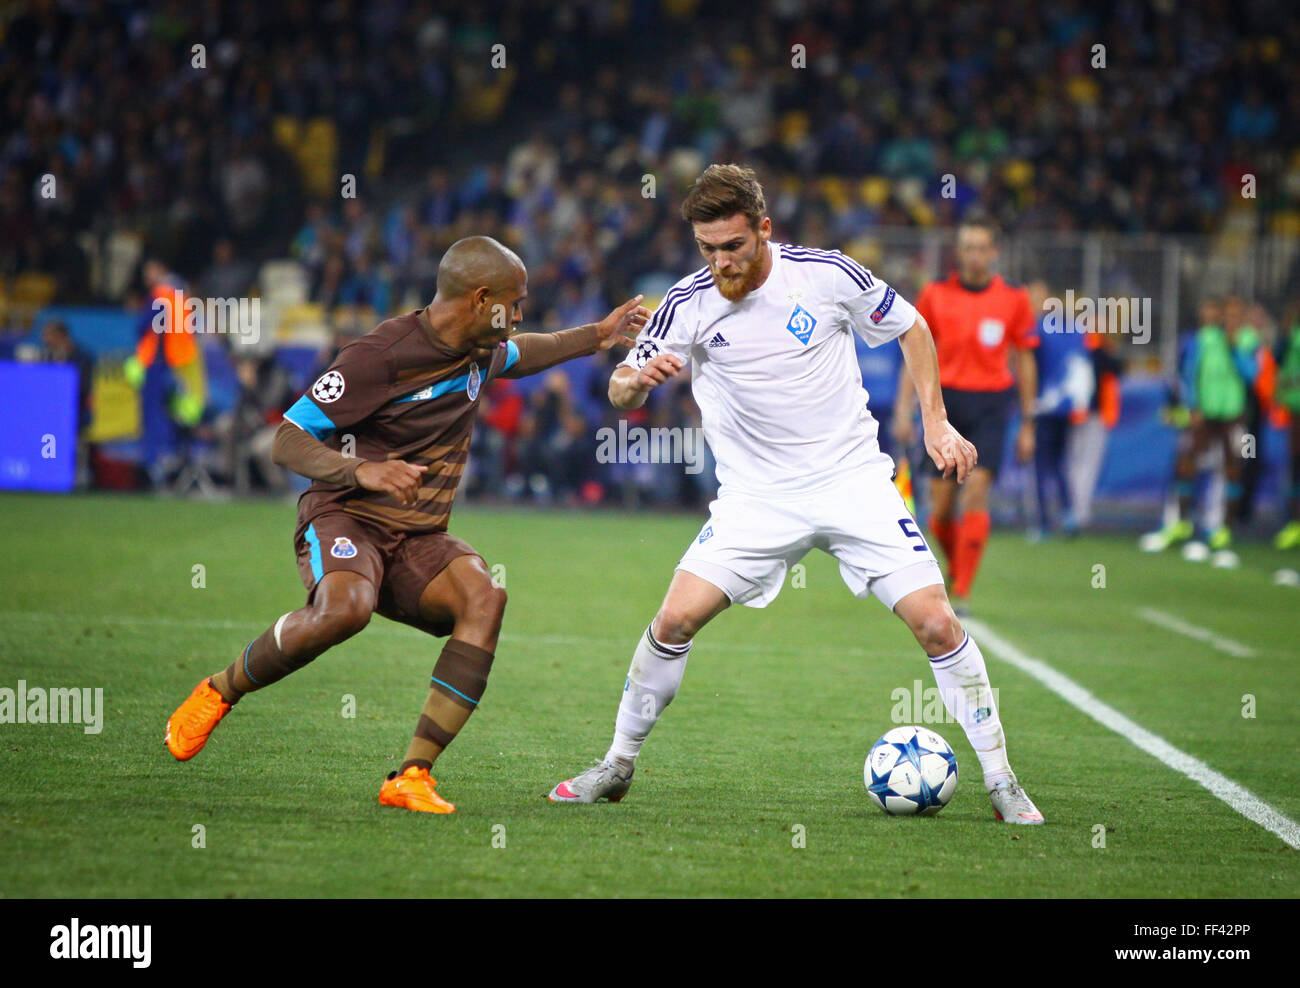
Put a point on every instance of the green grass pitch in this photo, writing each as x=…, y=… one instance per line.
x=766, y=740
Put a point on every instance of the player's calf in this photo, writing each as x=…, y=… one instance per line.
x=341, y=607
x=961, y=676
x=465, y=593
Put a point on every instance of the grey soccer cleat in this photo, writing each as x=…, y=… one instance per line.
x=604, y=780
x=1011, y=805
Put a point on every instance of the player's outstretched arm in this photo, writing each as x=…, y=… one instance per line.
x=541, y=351
x=629, y=387
x=297, y=450
x=949, y=450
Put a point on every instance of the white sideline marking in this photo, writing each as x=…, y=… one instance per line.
x=1240, y=799
x=1177, y=624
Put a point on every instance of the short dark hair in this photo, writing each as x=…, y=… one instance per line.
x=722, y=191
x=980, y=221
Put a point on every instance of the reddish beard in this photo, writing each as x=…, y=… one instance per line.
x=737, y=286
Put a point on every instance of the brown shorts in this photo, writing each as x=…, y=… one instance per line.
x=399, y=564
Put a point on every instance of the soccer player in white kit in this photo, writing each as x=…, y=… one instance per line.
x=767, y=328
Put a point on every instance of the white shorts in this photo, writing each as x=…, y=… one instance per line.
x=749, y=542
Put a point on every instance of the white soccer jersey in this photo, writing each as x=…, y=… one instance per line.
x=775, y=374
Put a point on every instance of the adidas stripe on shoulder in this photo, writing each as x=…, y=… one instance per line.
x=859, y=275
x=657, y=328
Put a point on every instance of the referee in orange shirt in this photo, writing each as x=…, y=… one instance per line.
x=974, y=316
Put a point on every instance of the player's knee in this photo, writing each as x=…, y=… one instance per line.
x=674, y=625
x=344, y=618
x=938, y=631
x=485, y=604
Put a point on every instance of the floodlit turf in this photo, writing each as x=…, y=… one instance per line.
x=765, y=742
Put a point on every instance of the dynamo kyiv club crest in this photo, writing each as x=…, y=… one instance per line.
x=801, y=324
x=475, y=380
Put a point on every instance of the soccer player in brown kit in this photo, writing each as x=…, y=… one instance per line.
x=372, y=530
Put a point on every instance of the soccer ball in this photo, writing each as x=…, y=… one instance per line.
x=911, y=770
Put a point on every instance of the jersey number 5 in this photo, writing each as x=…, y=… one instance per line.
x=909, y=529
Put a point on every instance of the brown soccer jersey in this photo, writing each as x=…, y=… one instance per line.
x=398, y=393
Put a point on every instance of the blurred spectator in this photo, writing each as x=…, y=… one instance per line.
x=246, y=431
x=1065, y=390
x=1287, y=397
x=367, y=286
x=168, y=371
x=1088, y=440
x=58, y=347
x=492, y=449
x=558, y=449
x=228, y=276
x=1251, y=328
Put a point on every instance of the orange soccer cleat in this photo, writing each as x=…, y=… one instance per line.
x=413, y=790
x=188, y=728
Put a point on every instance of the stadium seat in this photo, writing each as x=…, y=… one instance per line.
x=283, y=282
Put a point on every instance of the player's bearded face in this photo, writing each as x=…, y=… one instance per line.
x=742, y=272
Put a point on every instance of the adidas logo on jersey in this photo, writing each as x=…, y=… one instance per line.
x=717, y=341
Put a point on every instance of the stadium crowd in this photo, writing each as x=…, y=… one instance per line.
x=223, y=135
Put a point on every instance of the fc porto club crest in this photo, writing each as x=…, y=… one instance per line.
x=801, y=324
x=343, y=548
x=474, y=383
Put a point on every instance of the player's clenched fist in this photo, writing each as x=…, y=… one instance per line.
x=396, y=477
x=657, y=370
x=950, y=450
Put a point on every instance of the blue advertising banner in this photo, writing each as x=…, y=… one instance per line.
x=38, y=427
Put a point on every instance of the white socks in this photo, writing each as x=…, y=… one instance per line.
x=652, y=681
x=964, y=685
x=657, y=670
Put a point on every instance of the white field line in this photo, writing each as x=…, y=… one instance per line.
x=1240, y=799
x=1176, y=624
